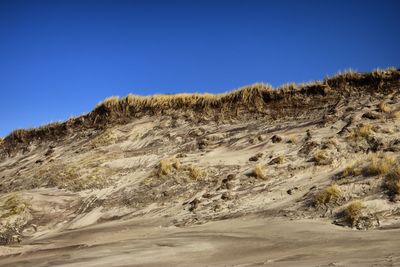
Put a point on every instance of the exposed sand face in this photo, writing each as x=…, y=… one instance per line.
x=234, y=192
x=248, y=241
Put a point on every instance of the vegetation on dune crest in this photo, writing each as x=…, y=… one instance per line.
x=253, y=98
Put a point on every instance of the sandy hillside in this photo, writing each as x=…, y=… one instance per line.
x=302, y=175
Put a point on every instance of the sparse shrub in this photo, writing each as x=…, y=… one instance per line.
x=14, y=214
x=361, y=132
x=331, y=141
x=353, y=212
x=69, y=176
x=384, y=107
x=13, y=205
x=164, y=167
x=195, y=172
x=393, y=180
x=259, y=172
x=352, y=170
x=330, y=194
x=380, y=164
x=8, y=235
x=321, y=158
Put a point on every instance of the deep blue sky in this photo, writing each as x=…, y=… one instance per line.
x=60, y=58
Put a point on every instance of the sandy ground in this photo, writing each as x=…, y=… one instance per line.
x=175, y=191
x=247, y=241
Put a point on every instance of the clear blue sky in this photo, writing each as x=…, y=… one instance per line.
x=59, y=58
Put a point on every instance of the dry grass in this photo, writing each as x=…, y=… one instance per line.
x=164, y=167
x=104, y=139
x=330, y=194
x=353, y=212
x=393, y=180
x=321, y=158
x=253, y=98
x=259, y=172
x=353, y=169
x=380, y=164
x=69, y=176
x=14, y=214
x=8, y=235
x=12, y=205
x=196, y=173
x=361, y=132
x=393, y=115
x=384, y=107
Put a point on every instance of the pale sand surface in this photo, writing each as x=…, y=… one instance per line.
x=246, y=241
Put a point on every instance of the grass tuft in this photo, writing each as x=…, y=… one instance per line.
x=259, y=172
x=196, y=173
x=352, y=170
x=353, y=212
x=364, y=131
x=330, y=194
x=321, y=158
x=384, y=107
x=393, y=180
x=164, y=167
x=380, y=164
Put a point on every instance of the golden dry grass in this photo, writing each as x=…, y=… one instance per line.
x=12, y=205
x=330, y=194
x=380, y=164
x=164, y=167
x=361, y=132
x=354, y=211
x=69, y=176
x=353, y=169
x=253, y=98
x=321, y=158
x=167, y=166
x=259, y=172
x=196, y=173
x=384, y=107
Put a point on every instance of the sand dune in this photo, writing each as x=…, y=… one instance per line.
x=301, y=176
